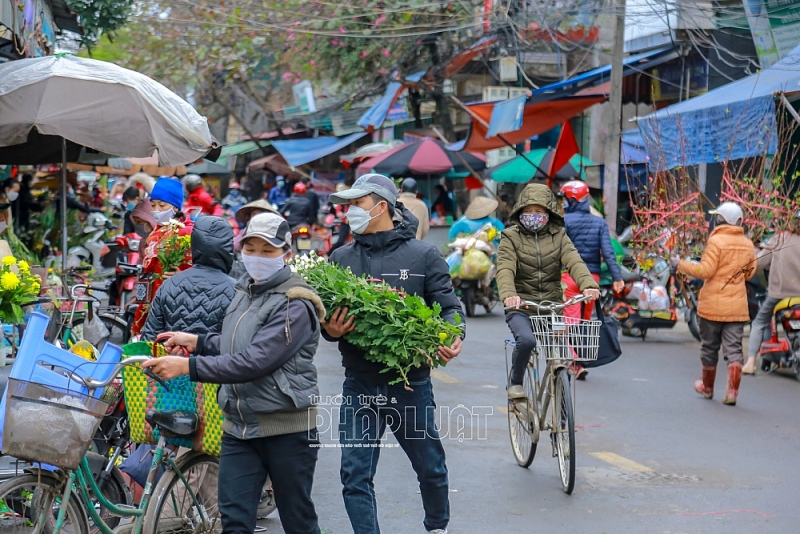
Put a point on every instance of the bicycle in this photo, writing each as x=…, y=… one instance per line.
x=43, y=501
x=548, y=404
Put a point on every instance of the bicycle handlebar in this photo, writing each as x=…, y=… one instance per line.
x=552, y=306
x=95, y=384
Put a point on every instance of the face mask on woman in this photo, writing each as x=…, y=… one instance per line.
x=141, y=230
x=359, y=218
x=260, y=268
x=12, y=196
x=163, y=217
x=533, y=222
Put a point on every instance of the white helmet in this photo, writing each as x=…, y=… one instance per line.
x=730, y=212
x=192, y=182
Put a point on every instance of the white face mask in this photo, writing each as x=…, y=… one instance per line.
x=12, y=196
x=163, y=217
x=260, y=268
x=359, y=218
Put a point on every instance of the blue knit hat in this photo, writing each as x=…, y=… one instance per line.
x=168, y=190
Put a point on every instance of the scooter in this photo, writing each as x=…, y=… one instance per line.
x=783, y=353
x=125, y=257
x=93, y=250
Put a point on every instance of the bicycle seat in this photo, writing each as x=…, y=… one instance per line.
x=173, y=423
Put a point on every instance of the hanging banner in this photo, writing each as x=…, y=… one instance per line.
x=775, y=25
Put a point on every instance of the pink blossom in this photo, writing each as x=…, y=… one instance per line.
x=291, y=37
x=380, y=20
x=287, y=76
x=342, y=30
x=363, y=54
x=312, y=63
x=385, y=52
x=297, y=23
x=335, y=42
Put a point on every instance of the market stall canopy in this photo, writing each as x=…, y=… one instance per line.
x=93, y=104
x=276, y=163
x=301, y=151
x=368, y=151
x=422, y=157
x=520, y=171
x=537, y=118
x=731, y=122
x=207, y=168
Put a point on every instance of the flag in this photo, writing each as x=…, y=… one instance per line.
x=566, y=147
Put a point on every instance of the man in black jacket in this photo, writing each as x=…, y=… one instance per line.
x=385, y=247
x=195, y=300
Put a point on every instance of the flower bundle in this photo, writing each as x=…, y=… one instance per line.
x=394, y=329
x=173, y=248
x=17, y=287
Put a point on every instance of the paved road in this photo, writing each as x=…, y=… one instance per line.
x=652, y=455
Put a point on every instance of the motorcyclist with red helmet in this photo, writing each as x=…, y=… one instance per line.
x=199, y=197
x=590, y=235
x=298, y=209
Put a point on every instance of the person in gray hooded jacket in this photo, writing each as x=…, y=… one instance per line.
x=264, y=360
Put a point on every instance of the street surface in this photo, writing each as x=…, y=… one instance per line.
x=653, y=456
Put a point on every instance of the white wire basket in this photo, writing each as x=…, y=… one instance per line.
x=566, y=338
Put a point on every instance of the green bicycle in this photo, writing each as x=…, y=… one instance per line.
x=44, y=500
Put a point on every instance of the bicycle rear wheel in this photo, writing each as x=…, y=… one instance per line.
x=172, y=508
x=563, y=433
x=23, y=498
x=523, y=423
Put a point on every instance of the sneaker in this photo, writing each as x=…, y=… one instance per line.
x=578, y=371
x=438, y=531
x=514, y=392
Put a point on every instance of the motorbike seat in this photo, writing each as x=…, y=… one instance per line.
x=173, y=423
x=128, y=269
x=788, y=302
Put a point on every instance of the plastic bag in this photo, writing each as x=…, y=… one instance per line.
x=94, y=331
x=474, y=265
x=454, y=262
x=654, y=298
x=636, y=291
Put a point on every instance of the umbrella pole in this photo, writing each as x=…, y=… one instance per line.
x=64, y=237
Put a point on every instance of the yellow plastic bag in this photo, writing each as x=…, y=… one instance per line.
x=475, y=265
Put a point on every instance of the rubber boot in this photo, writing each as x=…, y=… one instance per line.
x=734, y=379
x=705, y=386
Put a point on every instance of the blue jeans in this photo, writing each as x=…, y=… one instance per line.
x=366, y=411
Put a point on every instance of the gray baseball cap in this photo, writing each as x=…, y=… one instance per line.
x=270, y=227
x=366, y=185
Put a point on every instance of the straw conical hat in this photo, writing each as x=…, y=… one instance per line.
x=481, y=207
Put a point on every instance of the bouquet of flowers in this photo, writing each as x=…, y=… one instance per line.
x=172, y=249
x=17, y=287
x=397, y=330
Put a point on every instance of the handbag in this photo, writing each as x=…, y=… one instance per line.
x=137, y=465
x=143, y=394
x=609, y=348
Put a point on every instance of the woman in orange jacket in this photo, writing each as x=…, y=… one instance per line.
x=728, y=261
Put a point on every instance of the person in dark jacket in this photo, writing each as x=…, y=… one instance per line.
x=26, y=203
x=264, y=360
x=299, y=210
x=129, y=200
x=386, y=247
x=195, y=300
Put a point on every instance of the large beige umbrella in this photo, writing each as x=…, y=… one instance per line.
x=52, y=107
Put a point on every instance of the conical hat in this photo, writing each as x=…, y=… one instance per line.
x=481, y=207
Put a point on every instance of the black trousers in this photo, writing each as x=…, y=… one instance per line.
x=243, y=468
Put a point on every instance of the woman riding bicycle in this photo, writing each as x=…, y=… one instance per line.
x=529, y=264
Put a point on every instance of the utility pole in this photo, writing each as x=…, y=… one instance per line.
x=611, y=173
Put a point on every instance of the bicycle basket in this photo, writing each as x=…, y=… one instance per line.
x=48, y=424
x=566, y=338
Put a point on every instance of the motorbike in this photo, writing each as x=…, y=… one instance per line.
x=473, y=271
x=306, y=239
x=783, y=353
x=94, y=248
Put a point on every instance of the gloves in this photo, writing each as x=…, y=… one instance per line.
x=674, y=260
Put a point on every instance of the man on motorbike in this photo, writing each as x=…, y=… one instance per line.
x=234, y=199
x=591, y=237
x=728, y=261
x=299, y=210
x=781, y=256
x=277, y=195
x=199, y=197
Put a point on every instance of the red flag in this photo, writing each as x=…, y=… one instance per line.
x=566, y=147
x=473, y=183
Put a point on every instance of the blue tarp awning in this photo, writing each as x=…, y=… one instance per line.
x=298, y=152
x=507, y=116
x=632, y=149
x=732, y=122
x=632, y=64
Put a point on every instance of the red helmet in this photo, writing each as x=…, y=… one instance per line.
x=575, y=190
x=300, y=188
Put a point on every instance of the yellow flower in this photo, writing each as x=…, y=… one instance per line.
x=8, y=261
x=24, y=267
x=187, y=240
x=9, y=281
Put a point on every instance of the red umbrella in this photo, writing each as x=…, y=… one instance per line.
x=426, y=156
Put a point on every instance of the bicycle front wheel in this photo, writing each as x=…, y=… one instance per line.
x=523, y=423
x=31, y=503
x=563, y=433
x=172, y=508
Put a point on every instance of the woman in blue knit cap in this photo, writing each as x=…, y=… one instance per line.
x=166, y=200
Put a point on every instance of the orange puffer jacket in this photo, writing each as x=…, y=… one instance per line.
x=728, y=261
